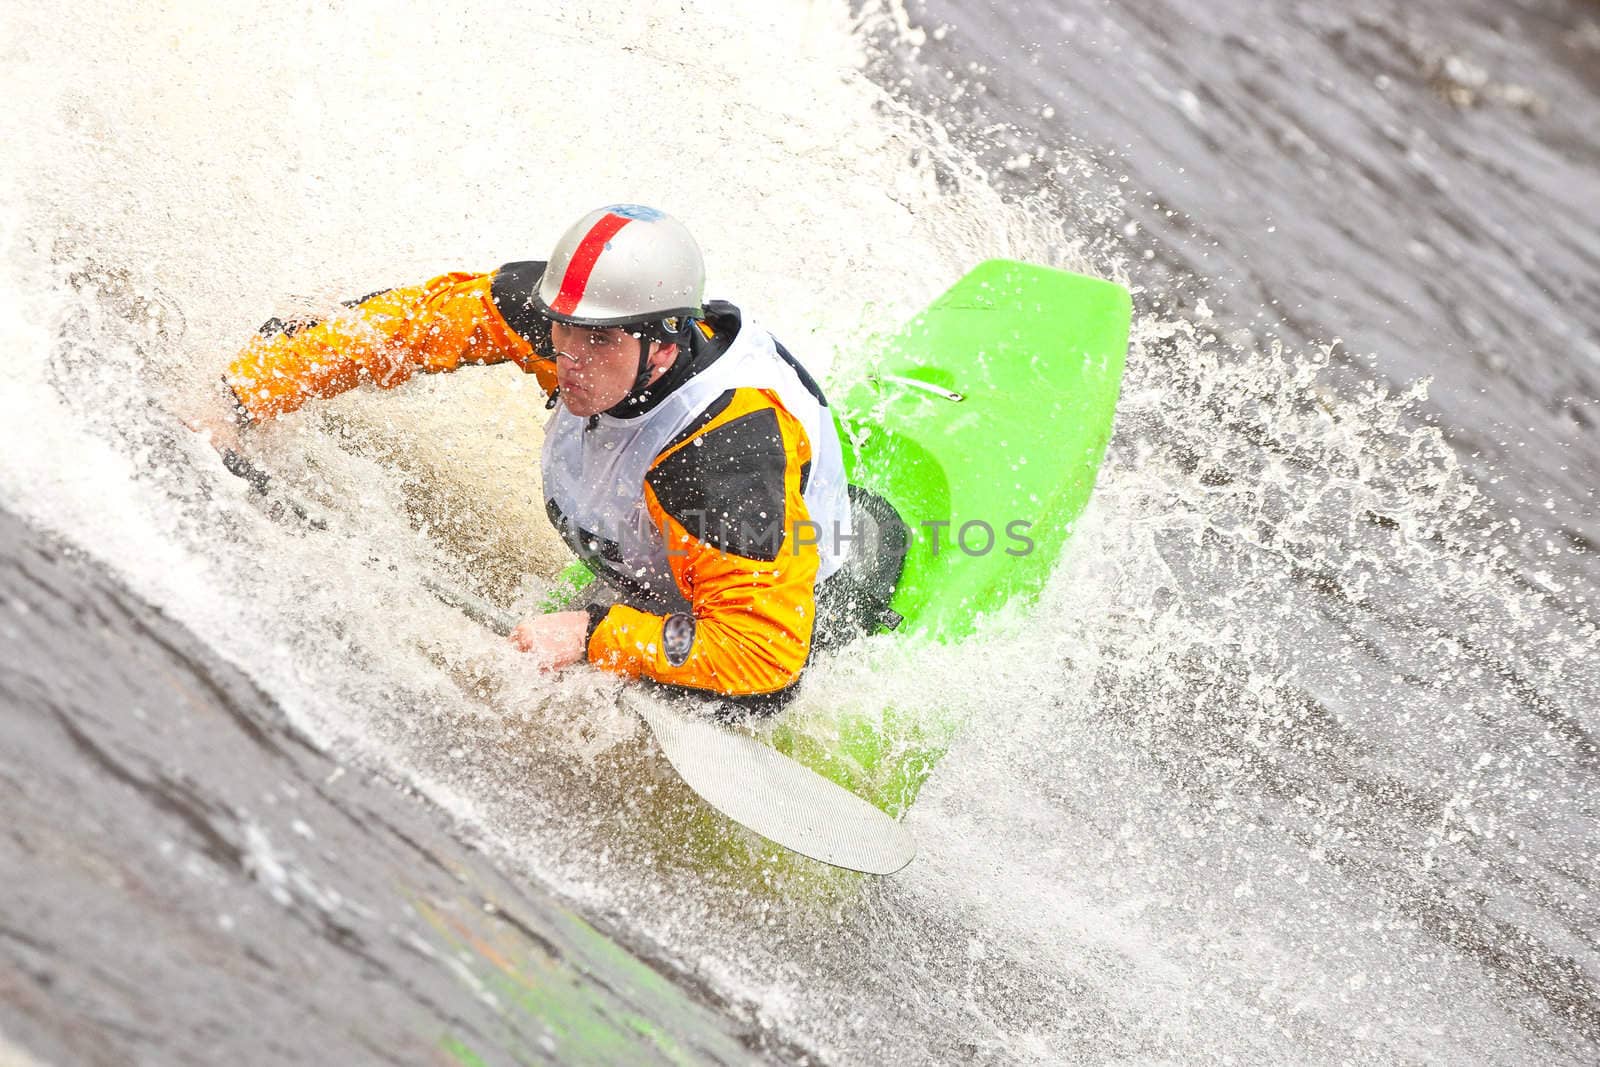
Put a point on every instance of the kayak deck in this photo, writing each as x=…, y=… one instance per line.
x=984, y=423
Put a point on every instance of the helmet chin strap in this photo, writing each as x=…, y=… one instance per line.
x=643, y=378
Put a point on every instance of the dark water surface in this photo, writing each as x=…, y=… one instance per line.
x=1420, y=181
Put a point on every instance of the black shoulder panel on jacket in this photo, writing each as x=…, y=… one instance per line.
x=726, y=487
x=708, y=416
x=512, y=290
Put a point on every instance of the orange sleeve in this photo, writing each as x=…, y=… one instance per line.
x=385, y=339
x=752, y=615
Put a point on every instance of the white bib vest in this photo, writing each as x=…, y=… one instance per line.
x=594, y=474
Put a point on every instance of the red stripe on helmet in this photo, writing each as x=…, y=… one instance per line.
x=576, y=280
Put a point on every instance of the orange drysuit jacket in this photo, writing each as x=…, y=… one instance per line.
x=752, y=614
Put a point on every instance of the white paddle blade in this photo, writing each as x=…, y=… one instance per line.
x=766, y=791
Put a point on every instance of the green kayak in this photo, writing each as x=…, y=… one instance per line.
x=984, y=423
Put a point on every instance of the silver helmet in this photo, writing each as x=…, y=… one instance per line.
x=624, y=265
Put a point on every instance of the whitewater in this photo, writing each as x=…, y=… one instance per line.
x=1293, y=761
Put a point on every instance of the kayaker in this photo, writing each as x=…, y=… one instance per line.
x=690, y=460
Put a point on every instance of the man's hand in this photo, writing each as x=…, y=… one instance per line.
x=554, y=641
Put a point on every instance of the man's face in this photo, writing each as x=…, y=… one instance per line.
x=595, y=368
